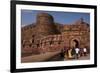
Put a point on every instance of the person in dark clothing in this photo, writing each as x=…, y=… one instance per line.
x=73, y=52
x=63, y=52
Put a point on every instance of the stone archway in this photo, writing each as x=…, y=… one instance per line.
x=74, y=43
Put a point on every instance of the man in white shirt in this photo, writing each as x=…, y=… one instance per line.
x=85, y=51
x=77, y=52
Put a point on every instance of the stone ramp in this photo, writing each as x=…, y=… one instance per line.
x=40, y=57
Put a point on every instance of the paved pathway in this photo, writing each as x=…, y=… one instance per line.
x=80, y=58
x=49, y=56
x=40, y=57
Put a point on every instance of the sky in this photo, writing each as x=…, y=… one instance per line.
x=29, y=16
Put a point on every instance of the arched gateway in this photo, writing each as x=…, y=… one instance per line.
x=74, y=43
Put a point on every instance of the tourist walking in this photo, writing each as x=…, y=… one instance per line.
x=62, y=53
x=77, y=52
x=73, y=53
x=85, y=51
x=81, y=52
x=66, y=55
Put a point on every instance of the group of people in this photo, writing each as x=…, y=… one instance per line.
x=74, y=53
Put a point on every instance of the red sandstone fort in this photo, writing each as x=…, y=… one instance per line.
x=47, y=36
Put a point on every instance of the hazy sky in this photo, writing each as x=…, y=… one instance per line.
x=29, y=16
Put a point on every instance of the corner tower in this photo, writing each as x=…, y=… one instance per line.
x=45, y=25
